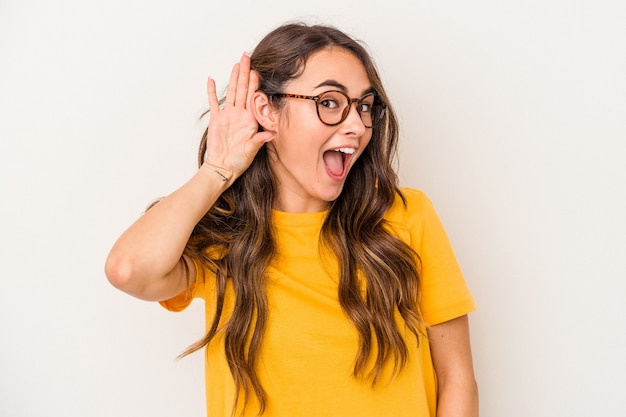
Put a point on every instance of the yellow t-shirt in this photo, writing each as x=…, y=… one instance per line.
x=309, y=348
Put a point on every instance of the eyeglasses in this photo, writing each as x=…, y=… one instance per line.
x=334, y=106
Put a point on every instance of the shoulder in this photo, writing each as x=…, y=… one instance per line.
x=409, y=215
x=409, y=207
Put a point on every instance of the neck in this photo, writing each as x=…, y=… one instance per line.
x=293, y=203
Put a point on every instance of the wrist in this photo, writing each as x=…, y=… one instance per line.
x=224, y=174
x=217, y=174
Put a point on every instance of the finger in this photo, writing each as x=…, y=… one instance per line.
x=212, y=94
x=231, y=92
x=257, y=141
x=263, y=137
x=242, y=82
x=253, y=85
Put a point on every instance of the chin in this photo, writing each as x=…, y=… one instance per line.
x=331, y=196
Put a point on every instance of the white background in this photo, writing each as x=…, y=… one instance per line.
x=513, y=121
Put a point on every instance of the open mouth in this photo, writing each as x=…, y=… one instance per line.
x=336, y=161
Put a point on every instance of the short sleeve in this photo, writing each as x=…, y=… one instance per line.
x=184, y=299
x=444, y=294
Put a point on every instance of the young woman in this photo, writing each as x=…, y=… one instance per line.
x=329, y=290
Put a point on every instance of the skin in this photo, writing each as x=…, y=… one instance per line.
x=452, y=359
x=300, y=138
x=147, y=260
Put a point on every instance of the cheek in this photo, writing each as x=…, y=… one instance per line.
x=301, y=132
x=366, y=139
x=300, y=117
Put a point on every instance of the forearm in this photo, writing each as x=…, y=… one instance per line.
x=146, y=261
x=458, y=398
x=457, y=393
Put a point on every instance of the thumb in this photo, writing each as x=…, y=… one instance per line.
x=256, y=142
x=262, y=137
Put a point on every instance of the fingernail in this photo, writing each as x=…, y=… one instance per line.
x=246, y=53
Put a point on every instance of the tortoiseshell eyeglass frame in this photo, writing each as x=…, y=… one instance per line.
x=344, y=114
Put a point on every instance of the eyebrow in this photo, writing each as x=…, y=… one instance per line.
x=341, y=87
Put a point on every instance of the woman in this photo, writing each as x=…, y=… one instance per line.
x=329, y=291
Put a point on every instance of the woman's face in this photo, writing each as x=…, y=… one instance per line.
x=310, y=159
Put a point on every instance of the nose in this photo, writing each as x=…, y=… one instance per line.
x=353, y=119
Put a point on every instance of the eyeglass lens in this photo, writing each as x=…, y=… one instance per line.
x=333, y=107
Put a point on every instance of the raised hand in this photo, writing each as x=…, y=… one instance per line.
x=233, y=138
x=147, y=261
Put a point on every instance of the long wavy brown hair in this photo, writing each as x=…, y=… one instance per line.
x=235, y=239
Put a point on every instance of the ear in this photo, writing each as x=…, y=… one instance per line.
x=265, y=114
